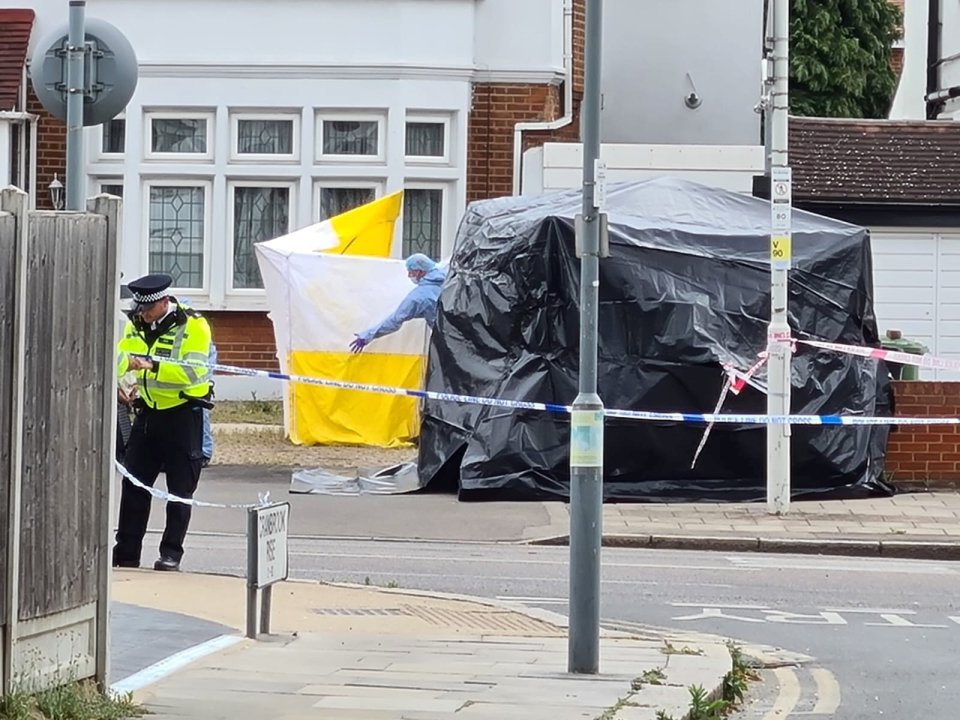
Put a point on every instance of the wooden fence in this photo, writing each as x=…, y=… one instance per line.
x=58, y=301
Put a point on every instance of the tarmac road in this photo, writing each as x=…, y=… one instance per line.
x=881, y=634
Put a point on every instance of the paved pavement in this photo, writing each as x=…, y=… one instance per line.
x=141, y=637
x=349, y=652
x=917, y=524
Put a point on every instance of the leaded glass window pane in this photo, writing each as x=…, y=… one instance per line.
x=336, y=200
x=259, y=213
x=179, y=135
x=350, y=137
x=265, y=137
x=112, y=189
x=114, y=136
x=422, y=221
x=425, y=139
x=176, y=234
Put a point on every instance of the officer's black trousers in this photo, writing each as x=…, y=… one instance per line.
x=168, y=440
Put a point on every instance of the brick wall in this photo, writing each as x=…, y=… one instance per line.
x=51, y=150
x=926, y=454
x=244, y=339
x=497, y=107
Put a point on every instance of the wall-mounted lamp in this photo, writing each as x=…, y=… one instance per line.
x=56, y=193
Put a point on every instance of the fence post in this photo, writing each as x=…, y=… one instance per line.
x=110, y=208
x=15, y=201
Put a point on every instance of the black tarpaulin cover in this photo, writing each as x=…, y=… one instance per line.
x=685, y=289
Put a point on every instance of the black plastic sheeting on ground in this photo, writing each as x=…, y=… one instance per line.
x=686, y=288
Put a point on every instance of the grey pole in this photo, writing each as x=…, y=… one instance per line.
x=778, y=333
x=252, y=574
x=76, y=55
x=586, y=431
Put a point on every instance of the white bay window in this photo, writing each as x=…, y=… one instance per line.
x=179, y=135
x=258, y=211
x=350, y=138
x=339, y=196
x=265, y=137
x=178, y=230
x=424, y=219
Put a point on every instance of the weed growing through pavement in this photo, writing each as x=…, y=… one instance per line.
x=653, y=676
x=734, y=688
x=669, y=649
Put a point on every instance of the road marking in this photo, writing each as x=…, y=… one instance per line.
x=790, y=618
x=501, y=560
x=828, y=692
x=788, y=696
x=715, y=613
x=864, y=566
x=871, y=611
x=725, y=607
x=529, y=600
x=170, y=665
x=893, y=620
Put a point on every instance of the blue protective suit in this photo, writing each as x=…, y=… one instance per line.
x=421, y=302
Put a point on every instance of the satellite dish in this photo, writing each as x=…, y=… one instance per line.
x=110, y=73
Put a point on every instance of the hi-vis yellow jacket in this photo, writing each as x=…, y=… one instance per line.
x=183, y=335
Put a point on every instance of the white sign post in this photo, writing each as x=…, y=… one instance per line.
x=267, y=560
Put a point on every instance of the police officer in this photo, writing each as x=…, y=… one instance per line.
x=168, y=431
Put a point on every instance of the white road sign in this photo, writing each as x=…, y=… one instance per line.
x=271, y=539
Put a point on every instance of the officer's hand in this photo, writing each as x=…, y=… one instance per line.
x=140, y=363
x=358, y=344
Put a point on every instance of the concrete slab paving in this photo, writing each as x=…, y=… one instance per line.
x=367, y=667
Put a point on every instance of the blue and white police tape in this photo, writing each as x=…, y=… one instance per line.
x=164, y=495
x=644, y=415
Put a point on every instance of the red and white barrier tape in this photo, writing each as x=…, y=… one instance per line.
x=925, y=361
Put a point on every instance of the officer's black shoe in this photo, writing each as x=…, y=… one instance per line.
x=125, y=563
x=167, y=564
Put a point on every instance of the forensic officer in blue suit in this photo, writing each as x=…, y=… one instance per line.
x=421, y=302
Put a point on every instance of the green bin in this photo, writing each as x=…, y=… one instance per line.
x=895, y=341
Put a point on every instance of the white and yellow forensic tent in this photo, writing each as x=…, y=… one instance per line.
x=323, y=284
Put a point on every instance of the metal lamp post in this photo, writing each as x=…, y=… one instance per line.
x=778, y=334
x=586, y=427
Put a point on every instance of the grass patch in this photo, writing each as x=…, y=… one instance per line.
x=263, y=412
x=74, y=701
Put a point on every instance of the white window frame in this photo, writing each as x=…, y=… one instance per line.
x=151, y=115
x=292, y=188
x=101, y=181
x=111, y=156
x=437, y=119
x=237, y=157
x=183, y=181
x=333, y=116
x=445, y=215
x=377, y=185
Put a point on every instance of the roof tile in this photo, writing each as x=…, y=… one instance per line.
x=875, y=161
x=15, y=28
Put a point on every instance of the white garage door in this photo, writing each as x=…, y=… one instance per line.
x=916, y=280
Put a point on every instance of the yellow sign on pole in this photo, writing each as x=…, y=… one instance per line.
x=780, y=249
